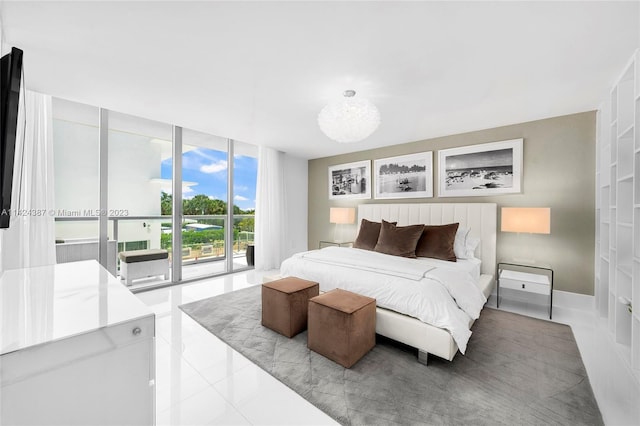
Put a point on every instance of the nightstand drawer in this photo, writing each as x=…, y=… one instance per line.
x=523, y=281
x=525, y=286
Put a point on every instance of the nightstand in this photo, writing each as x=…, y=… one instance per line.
x=527, y=278
x=335, y=243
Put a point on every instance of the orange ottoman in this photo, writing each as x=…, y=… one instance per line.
x=285, y=302
x=342, y=326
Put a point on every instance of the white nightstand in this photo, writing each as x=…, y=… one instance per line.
x=539, y=281
x=335, y=243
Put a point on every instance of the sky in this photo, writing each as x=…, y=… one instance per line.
x=208, y=168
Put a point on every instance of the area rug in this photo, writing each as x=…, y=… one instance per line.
x=517, y=370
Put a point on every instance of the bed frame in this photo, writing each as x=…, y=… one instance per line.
x=481, y=219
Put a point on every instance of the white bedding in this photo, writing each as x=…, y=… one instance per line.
x=471, y=266
x=445, y=296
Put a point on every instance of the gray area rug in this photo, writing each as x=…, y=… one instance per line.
x=517, y=370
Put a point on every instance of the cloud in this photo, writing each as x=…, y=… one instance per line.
x=240, y=198
x=200, y=152
x=240, y=188
x=215, y=167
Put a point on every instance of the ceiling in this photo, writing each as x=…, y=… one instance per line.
x=260, y=72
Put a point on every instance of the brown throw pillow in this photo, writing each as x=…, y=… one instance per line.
x=368, y=235
x=437, y=242
x=398, y=240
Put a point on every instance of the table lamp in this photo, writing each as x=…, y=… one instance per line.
x=341, y=216
x=529, y=220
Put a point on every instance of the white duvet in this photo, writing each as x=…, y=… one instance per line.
x=444, y=296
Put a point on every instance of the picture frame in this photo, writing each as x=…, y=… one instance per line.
x=404, y=176
x=350, y=181
x=480, y=170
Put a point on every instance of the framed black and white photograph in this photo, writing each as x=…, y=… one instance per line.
x=352, y=180
x=486, y=169
x=405, y=176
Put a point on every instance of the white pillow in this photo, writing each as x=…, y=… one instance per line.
x=472, y=244
x=460, y=243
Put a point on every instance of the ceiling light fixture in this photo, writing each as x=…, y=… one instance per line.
x=350, y=119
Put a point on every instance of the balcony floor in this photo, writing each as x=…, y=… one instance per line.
x=192, y=271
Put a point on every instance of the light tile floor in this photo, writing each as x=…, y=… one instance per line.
x=202, y=381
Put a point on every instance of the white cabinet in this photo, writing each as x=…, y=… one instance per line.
x=77, y=348
x=617, y=266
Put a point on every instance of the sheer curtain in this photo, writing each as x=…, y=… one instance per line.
x=30, y=239
x=270, y=210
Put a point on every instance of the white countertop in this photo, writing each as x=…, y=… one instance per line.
x=49, y=303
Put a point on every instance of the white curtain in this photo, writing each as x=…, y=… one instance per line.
x=270, y=210
x=30, y=239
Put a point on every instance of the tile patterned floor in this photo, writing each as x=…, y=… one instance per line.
x=202, y=381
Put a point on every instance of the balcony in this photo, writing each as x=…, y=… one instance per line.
x=202, y=252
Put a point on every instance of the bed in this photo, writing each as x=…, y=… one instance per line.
x=479, y=218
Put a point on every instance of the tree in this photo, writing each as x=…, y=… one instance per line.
x=200, y=204
x=246, y=224
x=166, y=201
x=219, y=207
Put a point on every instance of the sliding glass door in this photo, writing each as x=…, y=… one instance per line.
x=137, y=150
x=204, y=201
x=217, y=188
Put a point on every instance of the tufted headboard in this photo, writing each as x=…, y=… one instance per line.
x=480, y=218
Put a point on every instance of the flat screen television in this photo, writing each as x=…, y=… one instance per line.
x=10, y=101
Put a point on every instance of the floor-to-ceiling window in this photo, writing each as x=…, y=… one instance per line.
x=76, y=154
x=204, y=201
x=245, y=176
x=137, y=149
x=218, y=203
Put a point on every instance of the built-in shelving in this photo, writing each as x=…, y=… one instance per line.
x=614, y=187
x=618, y=213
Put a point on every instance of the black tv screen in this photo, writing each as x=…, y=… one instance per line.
x=11, y=84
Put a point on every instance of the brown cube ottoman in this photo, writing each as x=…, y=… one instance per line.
x=342, y=326
x=285, y=303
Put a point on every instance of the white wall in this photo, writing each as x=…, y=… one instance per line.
x=296, y=204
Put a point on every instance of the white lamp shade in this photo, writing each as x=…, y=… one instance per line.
x=342, y=215
x=349, y=120
x=532, y=220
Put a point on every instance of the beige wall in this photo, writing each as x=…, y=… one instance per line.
x=559, y=172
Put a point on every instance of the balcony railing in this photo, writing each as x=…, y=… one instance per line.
x=198, y=245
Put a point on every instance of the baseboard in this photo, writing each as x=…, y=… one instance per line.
x=577, y=301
